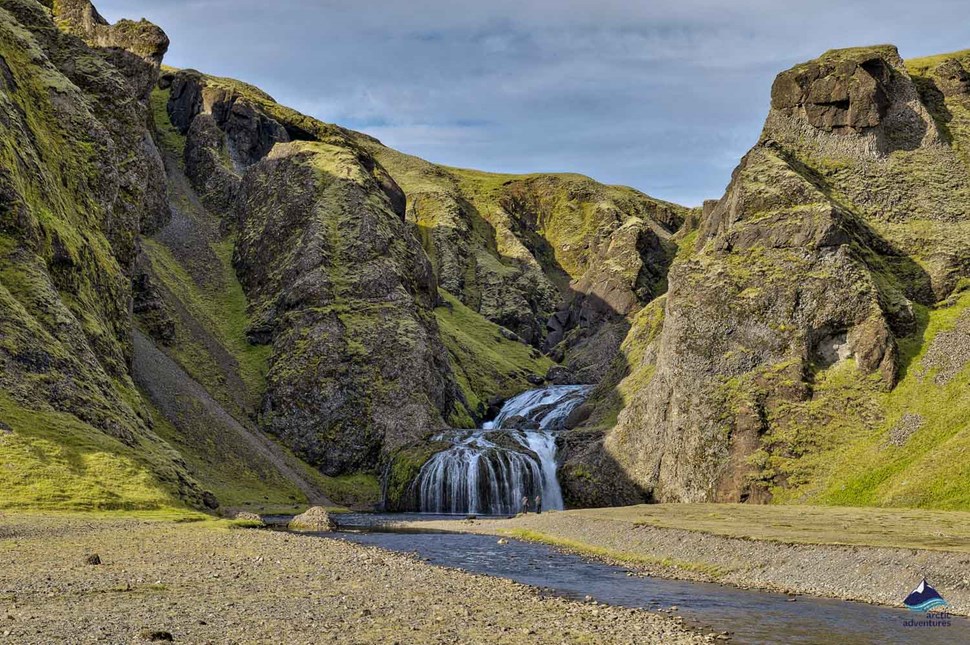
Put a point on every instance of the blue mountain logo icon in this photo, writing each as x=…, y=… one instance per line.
x=924, y=598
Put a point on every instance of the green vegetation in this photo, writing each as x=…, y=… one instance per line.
x=944, y=530
x=405, y=464
x=53, y=461
x=924, y=65
x=631, y=370
x=169, y=139
x=839, y=447
x=486, y=364
x=224, y=464
x=222, y=310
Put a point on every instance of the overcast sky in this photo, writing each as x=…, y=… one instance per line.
x=663, y=95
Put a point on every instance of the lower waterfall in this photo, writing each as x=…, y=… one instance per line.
x=490, y=470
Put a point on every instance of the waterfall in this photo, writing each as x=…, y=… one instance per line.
x=491, y=469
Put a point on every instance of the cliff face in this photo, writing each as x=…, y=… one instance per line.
x=559, y=260
x=79, y=182
x=806, y=289
x=358, y=365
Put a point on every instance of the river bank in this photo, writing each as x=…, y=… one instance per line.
x=869, y=555
x=205, y=582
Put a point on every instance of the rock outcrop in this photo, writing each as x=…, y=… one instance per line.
x=559, y=260
x=347, y=296
x=806, y=264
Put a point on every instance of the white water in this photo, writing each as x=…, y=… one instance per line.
x=490, y=470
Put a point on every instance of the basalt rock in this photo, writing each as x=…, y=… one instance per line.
x=803, y=266
x=952, y=78
x=134, y=48
x=843, y=94
x=358, y=367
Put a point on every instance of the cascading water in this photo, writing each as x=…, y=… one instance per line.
x=491, y=470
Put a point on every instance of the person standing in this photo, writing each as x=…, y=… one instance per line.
x=525, y=505
x=538, y=505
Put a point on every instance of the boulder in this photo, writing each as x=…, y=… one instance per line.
x=315, y=519
x=837, y=93
x=246, y=516
x=952, y=78
x=559, y=375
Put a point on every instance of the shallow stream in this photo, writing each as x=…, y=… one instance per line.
x=749, y=616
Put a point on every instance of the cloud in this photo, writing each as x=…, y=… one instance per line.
x=662, y=95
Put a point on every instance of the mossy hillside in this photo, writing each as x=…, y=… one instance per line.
x=487, y=365
x=222, y=310
x=358, y=366
x=561, y=218
x=914, y=196
x=950, y=110
x=631, y=370
x=220, y=462
x=840, y=448
x=52, y=461
x=81, y=438
x=58, y=176
x=509, y=246
x=199, y=284
x=241, y=479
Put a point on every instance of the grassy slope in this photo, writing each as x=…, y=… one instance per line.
x=802, y=524
x=53, y=461
x=854, y=463
x=486, y=364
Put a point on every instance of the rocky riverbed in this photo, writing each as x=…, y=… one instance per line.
x=878, y=575
x=204, y=582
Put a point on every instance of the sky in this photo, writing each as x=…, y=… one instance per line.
x=665, y=96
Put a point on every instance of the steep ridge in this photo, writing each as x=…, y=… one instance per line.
x=79, y=180
x=772, y=367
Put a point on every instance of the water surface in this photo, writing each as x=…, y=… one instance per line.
x=750, y=616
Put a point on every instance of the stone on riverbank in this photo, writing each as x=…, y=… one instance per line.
x=315, y=518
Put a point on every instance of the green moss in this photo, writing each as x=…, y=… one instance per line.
x=222, y=310
x=835, y=449
x=404, y=466
x=169, y=138
x=630, y=372
x=223, y=464
x=486, y=364
x=53, y=461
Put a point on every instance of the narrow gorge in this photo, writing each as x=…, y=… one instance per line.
x=210, y=299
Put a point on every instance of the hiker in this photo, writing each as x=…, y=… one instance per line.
x=538, y=505
x=525, y=505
